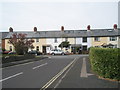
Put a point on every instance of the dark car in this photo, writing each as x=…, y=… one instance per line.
x=11, y=52
x=5, y=52
x=35, y=52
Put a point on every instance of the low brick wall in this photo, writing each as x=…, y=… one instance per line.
x=7, y=59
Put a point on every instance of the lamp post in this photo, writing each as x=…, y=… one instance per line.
x=62, y=30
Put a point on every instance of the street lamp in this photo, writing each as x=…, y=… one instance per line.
x=62, y=30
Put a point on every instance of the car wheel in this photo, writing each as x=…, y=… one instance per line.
x=63, y=54
x=53, y=54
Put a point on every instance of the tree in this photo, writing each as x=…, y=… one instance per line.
x=64, y=44
x=3, y=49
x=21, y=43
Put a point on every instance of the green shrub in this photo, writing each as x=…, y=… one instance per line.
x=105, y=62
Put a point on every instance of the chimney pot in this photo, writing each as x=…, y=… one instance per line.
x=10, y=29
x=35, y=29
x=115, y=26
x=62, y=28
x=88, y=27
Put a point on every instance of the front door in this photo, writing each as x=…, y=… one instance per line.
x=44, y=49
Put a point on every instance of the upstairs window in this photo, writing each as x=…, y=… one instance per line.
x=37, y=40
x=97, y=39
x=84, y=39
x=113, y=38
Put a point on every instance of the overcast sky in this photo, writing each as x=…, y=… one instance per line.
x=46, y=15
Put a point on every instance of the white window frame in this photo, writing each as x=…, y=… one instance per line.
x=96, y=39
x=113, y=38
x=37, y=40
x=84, y=41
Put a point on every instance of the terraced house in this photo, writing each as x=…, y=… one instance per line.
x=78, y=39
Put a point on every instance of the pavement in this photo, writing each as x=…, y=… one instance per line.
x=55, y=72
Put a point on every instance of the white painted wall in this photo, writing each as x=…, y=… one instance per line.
x=88, y=43
x=51, y=41
x=78, y=40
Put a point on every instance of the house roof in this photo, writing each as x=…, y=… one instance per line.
x=67, y=33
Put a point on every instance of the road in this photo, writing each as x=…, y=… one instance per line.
x=69, y=71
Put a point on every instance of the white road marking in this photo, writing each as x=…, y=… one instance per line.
x=89, y=74
x=49, y=57
x=11, y=77
x=21, y=64
x=58, y=75
x=58, y=83
x=40, y=65
x=83, y=70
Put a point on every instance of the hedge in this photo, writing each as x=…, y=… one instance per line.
x=105, y=62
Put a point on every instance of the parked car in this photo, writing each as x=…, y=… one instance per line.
x=11, y=52
x=6, y=52
x=35, y=52
x=57, y=52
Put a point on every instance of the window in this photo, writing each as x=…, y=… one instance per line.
x=97, y=39
x=84, y=39
x=10, y=48
x=66, y=39
x=37, y=48
x=85, y=48
x=113, y=38
x=37, y=40
x=55, y=40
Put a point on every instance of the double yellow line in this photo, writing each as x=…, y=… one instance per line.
x=58, y=75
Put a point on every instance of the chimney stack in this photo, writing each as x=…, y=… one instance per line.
x=62, y=28
x=88, y=27
x=115, y=26
x=35, y=29
x=10, y=29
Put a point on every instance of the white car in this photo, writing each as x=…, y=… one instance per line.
x=57, y=52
